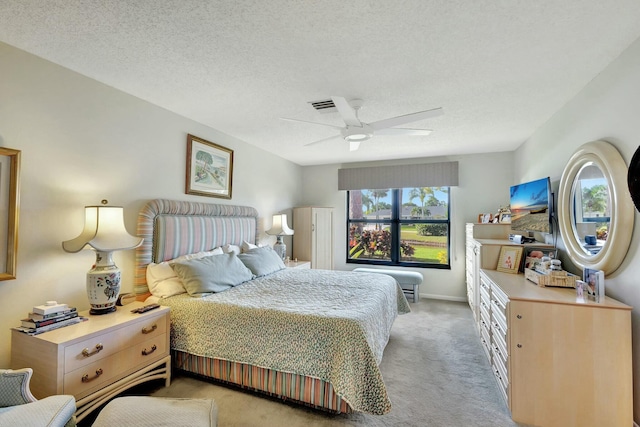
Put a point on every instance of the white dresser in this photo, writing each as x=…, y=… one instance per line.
x=96, y=359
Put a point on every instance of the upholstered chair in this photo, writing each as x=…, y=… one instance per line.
x=18, y=407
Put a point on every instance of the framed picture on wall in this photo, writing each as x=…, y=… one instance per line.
x=9, y=211
x=509, y=260
x=209, y=168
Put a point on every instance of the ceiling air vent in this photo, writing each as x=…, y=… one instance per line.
x=324, y=106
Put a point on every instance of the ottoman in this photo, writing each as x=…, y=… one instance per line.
x=158, y=412
x=409, y=281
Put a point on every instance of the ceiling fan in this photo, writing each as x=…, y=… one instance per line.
x=356, y=131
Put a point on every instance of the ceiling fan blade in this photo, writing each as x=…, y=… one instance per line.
x=322, y=140
x=353, y=145
x=346, y=111
x=313, y=123
x=403, y=131
x=407, y=118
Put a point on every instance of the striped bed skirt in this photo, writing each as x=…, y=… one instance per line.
x=311, y=392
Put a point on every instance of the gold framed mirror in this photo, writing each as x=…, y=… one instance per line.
x=9, y=211
x=595, y=210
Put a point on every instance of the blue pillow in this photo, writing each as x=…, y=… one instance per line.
x=215, y=273
x=262, y=261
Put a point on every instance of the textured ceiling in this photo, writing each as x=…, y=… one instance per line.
x=498, y=68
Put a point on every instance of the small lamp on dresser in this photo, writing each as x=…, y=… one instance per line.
x=280, y=228
x=105, y=232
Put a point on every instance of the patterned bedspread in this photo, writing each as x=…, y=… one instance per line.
x=325, y=324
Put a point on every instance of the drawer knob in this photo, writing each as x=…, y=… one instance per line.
x=146, y=330
x=519, y=316
x=146, y=353
x=87, y=353
x=86, y=379
x=519, y=345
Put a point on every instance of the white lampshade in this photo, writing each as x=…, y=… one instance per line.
x=104, y=231
x=279, y=226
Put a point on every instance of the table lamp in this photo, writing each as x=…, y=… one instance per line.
x=104, y=231
x=279, y=229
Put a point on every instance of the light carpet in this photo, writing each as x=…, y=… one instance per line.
x=435, y=370
x=434, y=367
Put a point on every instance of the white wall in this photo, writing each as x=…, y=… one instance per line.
x=484, y=181
x=83, y=141
x=606, y=109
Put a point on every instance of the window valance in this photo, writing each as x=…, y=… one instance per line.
x=444, y=174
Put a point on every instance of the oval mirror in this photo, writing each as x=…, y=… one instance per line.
x=595, y=211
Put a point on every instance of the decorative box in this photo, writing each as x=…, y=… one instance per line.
x=560, y=279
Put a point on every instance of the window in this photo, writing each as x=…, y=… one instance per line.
x=406, y=226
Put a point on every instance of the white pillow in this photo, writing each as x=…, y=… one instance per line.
x=231, y=248
x=163, y=281
x=246, y=246
x=198, y=255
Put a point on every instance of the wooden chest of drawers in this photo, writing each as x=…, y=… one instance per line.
x=97, y=359
x=558, y=361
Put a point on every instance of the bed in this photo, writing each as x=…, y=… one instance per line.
x=314, y=337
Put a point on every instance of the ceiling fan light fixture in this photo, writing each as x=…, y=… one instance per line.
x=357, y=137
x=357, y=133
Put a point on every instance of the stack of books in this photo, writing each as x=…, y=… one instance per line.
x=49, y=316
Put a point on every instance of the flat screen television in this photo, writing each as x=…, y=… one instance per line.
x=532, y=206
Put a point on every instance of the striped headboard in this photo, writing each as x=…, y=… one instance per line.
x=172, y=228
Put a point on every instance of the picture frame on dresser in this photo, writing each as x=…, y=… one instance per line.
x=485, y=218
x=595, y=283
x=505, y=218
x=509, y=259
x=533, y=256
x=209, y=168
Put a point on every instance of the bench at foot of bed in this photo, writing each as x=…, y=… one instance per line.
x=153, y=411
x=409, y=281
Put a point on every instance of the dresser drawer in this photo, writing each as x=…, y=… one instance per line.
x=104, y=345
x=499, y=370
x=485, y=305
x=485, y=318
x=498, y=310
x=113, y=367
x=501, y=343
x=486, y=343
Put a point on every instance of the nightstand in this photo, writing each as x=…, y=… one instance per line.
x=303, y=265
x=97, y=359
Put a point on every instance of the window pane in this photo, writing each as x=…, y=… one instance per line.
x=424, y=243
x=370, y=204
x=425, y=203
x=370, y=241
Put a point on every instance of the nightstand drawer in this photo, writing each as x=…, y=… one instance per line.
x=98, y=347
x=108, y=369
